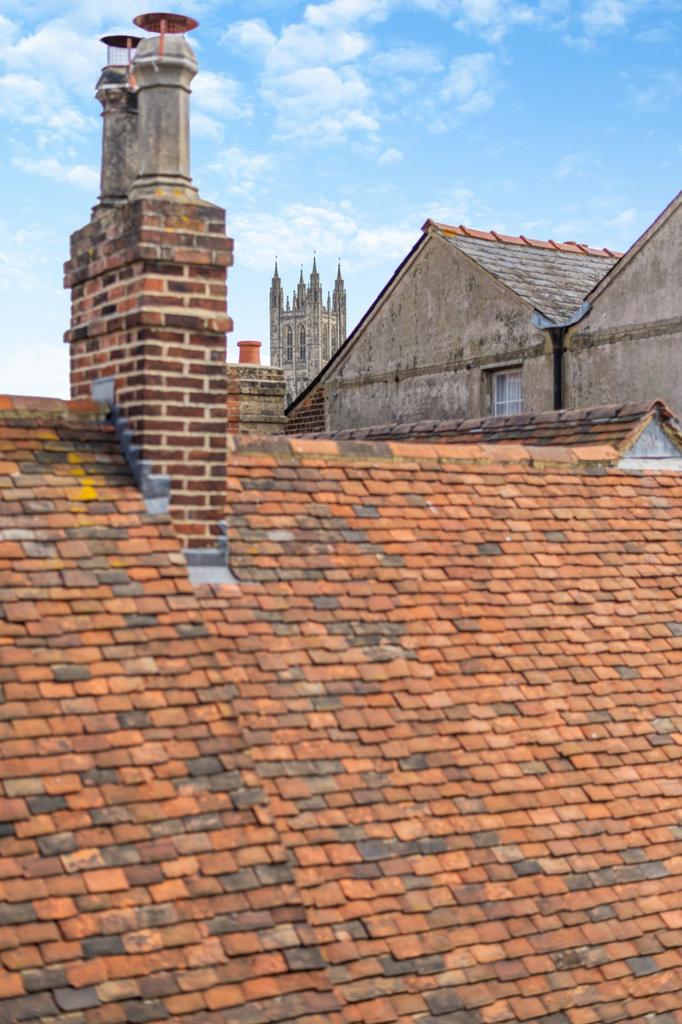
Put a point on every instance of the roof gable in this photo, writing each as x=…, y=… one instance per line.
x=553, y=277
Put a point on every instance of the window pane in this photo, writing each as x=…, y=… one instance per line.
x=507, y=393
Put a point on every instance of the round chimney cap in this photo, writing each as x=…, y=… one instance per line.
x=165, y=24
x=121, y=42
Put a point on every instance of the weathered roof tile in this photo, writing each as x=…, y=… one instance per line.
x=422, y=763
x=617, y=426
x=554, y=277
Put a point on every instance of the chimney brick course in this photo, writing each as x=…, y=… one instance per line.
x=149, y=309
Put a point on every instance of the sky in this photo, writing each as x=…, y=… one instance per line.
x=338, y=128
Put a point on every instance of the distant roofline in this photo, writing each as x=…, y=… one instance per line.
x=577, y=248
x=632, y=415
x=430, y=227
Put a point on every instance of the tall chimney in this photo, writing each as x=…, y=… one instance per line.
x=115, y=91
x=148, y=280
x=164, y=68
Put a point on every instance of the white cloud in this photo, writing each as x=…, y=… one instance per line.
x=471, y=83
x=598, y=17
x=493, y=19
x=330, y=229
x=24, y=98
x=241, y=170
x=310, y=74
x=606, y=15
x=339, y=12
x=22, y=258
x=72, y=58
x=576, y=165
x=216, y=93
x=625, y=220
x=321, y=104
x=79, y=175
x=253, y=34
x=460, y=205
x=660, y=92
x=390, y=156
x=419, y=60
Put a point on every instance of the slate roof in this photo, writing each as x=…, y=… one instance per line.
x=554, y=277
x=617, y=425
x=422, y=764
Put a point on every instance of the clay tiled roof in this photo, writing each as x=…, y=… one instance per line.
x=141, y=878
x=554, y=277
x=422, y=764
x=617, y=425
x=461, y=689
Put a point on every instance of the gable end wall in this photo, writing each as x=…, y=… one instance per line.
x=426, y=350
x=628, y=346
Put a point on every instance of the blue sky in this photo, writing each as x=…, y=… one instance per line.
x=340, y=126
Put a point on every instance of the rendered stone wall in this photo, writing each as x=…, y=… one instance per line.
x=149, y=309
x=427, y=350
x=629, y=346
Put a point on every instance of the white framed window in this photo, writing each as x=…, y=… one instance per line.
x=506, y=391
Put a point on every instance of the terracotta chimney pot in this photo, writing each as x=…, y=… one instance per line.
x=249, y=352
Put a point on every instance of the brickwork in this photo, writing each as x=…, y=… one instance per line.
x=149, y=309
x=309, y=415
x=255, y=399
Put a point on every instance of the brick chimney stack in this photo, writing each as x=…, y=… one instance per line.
x=148, y=280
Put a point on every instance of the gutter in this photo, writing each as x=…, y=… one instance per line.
x=557, y=332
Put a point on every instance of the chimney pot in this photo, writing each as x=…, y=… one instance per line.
x=120, y=50
x=249, y=352
x=164, y=67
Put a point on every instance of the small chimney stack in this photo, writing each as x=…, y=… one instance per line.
x=115, y=91
x=164, y=68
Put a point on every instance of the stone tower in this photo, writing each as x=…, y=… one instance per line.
x=306, y=331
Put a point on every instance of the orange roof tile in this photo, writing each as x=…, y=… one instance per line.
x=423, y=762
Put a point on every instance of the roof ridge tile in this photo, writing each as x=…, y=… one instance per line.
x=13, y=406
x=575, y=248
x=393, y=449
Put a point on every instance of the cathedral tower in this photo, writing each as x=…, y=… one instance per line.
x=306, y=330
